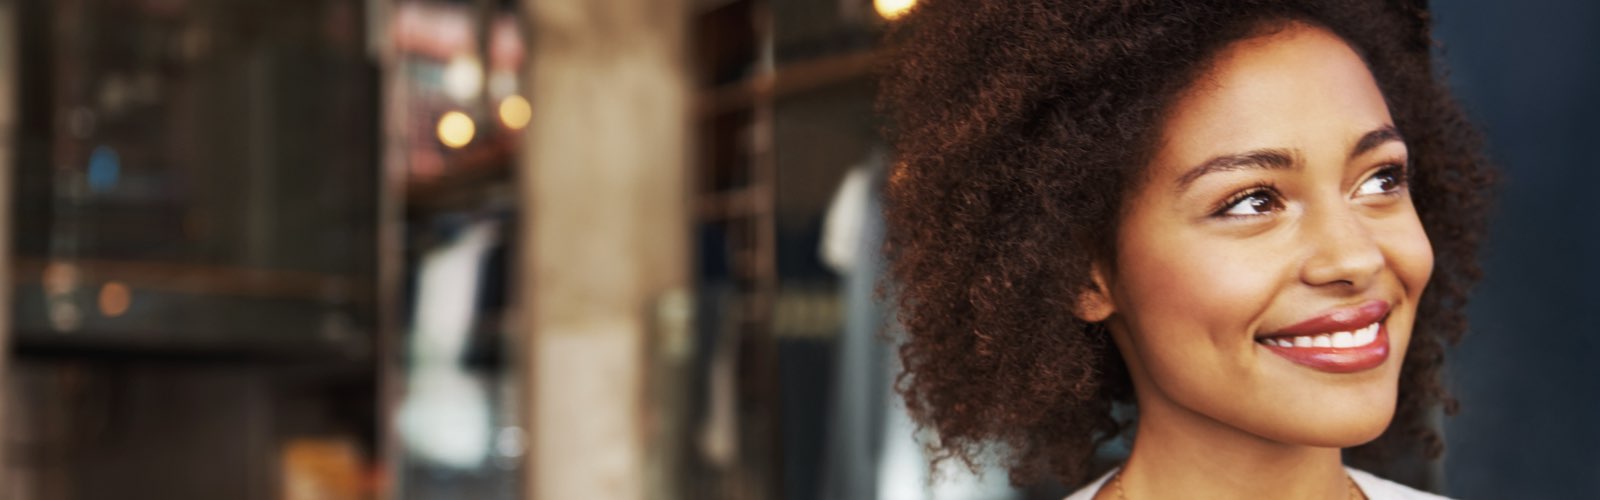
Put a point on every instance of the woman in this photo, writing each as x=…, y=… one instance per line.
x=1247, y=226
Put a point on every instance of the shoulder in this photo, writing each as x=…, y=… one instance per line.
x=1377, y=488
x=1088, y=492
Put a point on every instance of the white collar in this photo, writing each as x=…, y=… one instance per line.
x=1374, y=487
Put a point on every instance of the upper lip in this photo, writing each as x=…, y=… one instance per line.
x=1341, y=319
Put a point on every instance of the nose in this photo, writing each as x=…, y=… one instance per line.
x=1344, y=251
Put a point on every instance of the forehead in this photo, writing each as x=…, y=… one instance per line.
x=1298, y=87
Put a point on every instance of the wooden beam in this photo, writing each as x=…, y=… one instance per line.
x=233, y=281
x=9, y=39
x=789, y=79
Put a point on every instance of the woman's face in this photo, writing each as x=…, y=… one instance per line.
x=1274, y=216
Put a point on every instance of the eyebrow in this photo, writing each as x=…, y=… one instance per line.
x=1375, y=138
x=1266, y=159
x=1280, y=159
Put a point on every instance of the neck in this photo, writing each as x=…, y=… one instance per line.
x=1181, y=454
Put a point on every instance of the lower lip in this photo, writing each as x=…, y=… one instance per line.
x=1339, y=359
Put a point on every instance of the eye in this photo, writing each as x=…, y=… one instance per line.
x=1260, y=201
x=1390, y=180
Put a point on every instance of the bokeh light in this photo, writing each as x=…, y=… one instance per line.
x=463, y=78
x=60, y=278
x=515, y=112
x=104, y=169
x=115, y=298
x=893, y=9
x=456, y=129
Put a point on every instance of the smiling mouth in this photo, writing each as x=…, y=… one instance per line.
x=1362, y=337
x=1343, y=340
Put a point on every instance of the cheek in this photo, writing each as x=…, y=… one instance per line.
x=1209, y=285
x=1191, y=303
x=1411, y=256
x=1189, y=308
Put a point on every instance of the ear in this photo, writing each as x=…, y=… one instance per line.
x=1095, y=305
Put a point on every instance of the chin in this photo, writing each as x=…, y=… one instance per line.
x=1357, y=434
x=1354, y=426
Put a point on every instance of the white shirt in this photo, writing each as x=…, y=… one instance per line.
x=1374, y=487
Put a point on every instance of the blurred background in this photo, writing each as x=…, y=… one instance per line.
x=553, y=249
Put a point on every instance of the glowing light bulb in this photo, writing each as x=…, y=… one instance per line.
x=515, y=112
x=893, y=9
x=456, y=129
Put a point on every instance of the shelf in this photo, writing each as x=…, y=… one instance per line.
x=468, y=178
x=36, y=345
x=202, y=279
x=186, y=326
x=789, y=79
x=734, y=203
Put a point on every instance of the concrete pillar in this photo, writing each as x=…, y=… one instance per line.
x=603, y=180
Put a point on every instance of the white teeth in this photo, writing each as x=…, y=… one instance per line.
x=1366, y=335
x=1344, y=339
x=1358, y=338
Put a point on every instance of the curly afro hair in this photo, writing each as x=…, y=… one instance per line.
x=1019, y=125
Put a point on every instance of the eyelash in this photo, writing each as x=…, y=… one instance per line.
x=1398, y=171
x=1260, y=188
x=1401, y=174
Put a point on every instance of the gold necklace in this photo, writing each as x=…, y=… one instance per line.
x=1355, y=490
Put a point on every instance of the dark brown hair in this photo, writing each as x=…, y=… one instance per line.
x=1017, y=127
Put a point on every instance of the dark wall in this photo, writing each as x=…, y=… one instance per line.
x=1527, y=373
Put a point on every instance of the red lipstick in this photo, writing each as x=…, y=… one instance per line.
x=1343, y=340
